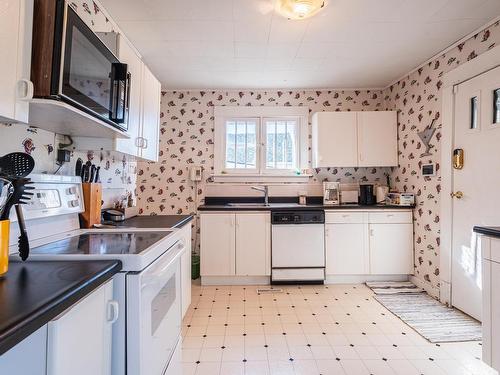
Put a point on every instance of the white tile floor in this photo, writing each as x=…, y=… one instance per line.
x=310, y=330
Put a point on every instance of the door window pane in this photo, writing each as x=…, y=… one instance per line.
x=281, y=144
x=473, y=113
x=241, y=144
x=496, y=106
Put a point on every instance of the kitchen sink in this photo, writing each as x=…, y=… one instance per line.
x=246, y=204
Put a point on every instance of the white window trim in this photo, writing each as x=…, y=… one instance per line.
x=222, y=113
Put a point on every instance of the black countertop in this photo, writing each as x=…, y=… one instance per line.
x=156, y=221
x=33, y=293
x=296, y=207
x=488, y=231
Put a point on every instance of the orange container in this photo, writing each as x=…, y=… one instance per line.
x=4, y=246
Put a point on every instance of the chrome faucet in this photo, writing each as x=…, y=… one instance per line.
x=264, y=189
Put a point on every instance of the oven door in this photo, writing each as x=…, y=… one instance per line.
x=91, y=76
x=154, y=314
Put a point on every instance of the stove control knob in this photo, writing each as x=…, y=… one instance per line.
x=74, y=203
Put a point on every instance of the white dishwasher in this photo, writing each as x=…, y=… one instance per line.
x=298, y=247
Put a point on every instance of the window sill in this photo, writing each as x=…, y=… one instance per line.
x=303, y=178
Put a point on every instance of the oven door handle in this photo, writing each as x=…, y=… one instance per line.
x=159, y=274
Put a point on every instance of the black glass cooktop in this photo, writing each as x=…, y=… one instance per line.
x=103, y=243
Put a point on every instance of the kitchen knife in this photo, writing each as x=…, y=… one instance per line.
x=97, y=178
x=85, y=173
x=92, y=173
x=78, y=167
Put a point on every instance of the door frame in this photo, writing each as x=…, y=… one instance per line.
x=473, y=68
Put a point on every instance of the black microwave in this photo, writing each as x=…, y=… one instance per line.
x=70, y=63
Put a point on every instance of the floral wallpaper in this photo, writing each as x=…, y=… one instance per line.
x=417, y=98
x=186, y=139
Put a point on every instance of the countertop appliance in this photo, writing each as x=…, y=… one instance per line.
x=331, y=193
x=70, y=63
x=298, y=247
x=146, y=336
x=366, y=195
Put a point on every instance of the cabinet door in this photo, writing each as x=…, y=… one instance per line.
x=346, y=249
x=79, y=341
x=217, y=251
x=377, y=139
x=186, y=269
x=334, y=142
x=391, y=249
x=253, y=244
x=495, y=315
x=10, y=16
x=151, y=95
x=29, y=357
x=127, y=55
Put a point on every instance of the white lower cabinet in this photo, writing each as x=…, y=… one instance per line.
x=79, y=340
x=369, y=243
x=235, y=244
x=253, y=244
x=29, y=357
x=346, y=249
x=391, y=249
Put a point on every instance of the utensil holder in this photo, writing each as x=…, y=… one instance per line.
x=92, y=197
x=4, y=246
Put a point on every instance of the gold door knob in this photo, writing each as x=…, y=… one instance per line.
x=458, y=195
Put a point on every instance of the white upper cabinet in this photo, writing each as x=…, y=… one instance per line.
x=354, y=139
x=334, y=139
x=127, y=55
x=15, y=39
x=151, y=97
x=377, y=139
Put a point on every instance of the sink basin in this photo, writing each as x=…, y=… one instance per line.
x=247, y=205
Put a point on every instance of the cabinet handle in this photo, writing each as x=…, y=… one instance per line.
x=346, y=215
x=138, y=142
x=113, y=311
x=390, y=215
x=27, y=93
x=145, y=142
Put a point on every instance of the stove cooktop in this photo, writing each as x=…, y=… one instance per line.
x=127, y=243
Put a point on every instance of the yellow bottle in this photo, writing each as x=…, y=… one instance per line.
x=4, y=246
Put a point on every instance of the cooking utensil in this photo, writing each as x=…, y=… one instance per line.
x=16, y=164
x=97, y=178
x=92, y=173
x=78, y=167
x=113, y=215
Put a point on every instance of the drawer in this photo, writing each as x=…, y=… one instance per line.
x=346, y=217
x=391, y=217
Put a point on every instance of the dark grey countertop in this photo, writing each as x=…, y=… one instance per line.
x=295, y=207
x=33, y=293
x=156, y=221
x=488, y=231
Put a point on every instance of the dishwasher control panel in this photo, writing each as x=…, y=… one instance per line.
x=298, y=217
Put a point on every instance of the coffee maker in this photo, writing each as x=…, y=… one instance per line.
x=367, y=195
x=331, y=193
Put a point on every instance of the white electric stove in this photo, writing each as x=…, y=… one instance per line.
x=146, y=336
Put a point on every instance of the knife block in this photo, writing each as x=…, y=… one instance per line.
x=92, y=197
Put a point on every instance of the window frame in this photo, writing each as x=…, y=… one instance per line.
x=225, y=113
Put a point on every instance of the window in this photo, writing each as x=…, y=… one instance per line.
x=260, y=141
x=496, y=106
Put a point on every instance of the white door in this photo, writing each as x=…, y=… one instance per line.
x=79, y=340
x=151, y=96
x=253, y=244
x=217, y=244
x=477, y=132
x=334, y=142
x=346, y=249
x=127, y=55
x=391, y=249
x=377, y=139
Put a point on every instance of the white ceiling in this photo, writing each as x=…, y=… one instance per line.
x=210, y=44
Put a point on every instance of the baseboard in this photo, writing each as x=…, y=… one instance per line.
x=432, y=291
x=359, y=279
x=235, y=280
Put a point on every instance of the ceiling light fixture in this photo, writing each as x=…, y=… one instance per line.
x=299, y=9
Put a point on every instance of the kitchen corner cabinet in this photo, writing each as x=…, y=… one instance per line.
x=79, y=340
x=186, y=269
x=369, y=243
x=235, y=244
x=15, y=38
x=354, y=139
